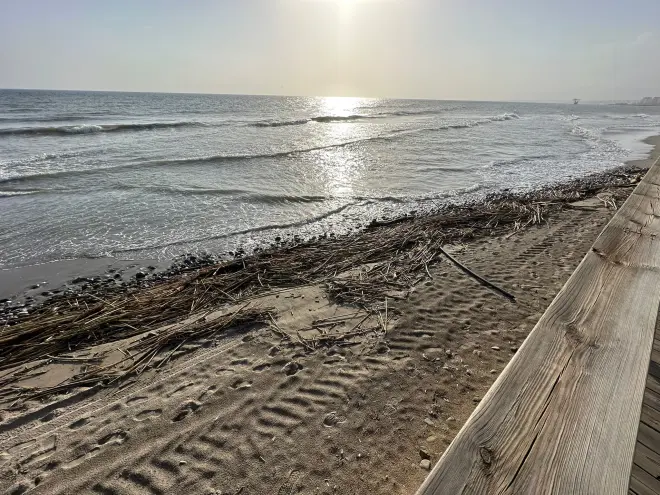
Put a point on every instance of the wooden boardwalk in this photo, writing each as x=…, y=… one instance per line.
x=563, y=417
x=646, y=462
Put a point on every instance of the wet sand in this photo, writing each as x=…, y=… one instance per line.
x=18, y=284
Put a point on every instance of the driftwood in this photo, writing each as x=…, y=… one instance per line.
x=478, y=278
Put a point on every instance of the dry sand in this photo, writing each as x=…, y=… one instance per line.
x=244, y=415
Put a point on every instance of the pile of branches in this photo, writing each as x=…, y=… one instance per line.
x=384, y=260
x=144, y=353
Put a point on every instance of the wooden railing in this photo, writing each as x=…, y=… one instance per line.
x=563, y=415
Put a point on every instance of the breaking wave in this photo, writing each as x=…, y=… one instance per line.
x=65, y=130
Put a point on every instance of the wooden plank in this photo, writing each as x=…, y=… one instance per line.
x=563, y=415
x=650, y=416
x=647, y=459
x=652, y=383
x=642, y=482
x=652, y=399
x=655, y=356
x=648, y=436
x=654, y=369
x=639, y=488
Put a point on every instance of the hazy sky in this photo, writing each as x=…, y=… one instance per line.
x=444, y=49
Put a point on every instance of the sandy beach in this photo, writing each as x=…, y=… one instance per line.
x=325, y=395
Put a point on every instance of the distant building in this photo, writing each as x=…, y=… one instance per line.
x=650, y=100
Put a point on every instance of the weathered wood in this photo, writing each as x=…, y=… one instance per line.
x=648, y=436
x=642, y=482
x=652, y=399
x=650, y=416
x=648, y=460
x=563, y=415
x=652, y=383
x=654, y=369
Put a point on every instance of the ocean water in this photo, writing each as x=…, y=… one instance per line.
x=136, y=176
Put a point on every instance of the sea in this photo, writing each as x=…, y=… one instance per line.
x=144, y=176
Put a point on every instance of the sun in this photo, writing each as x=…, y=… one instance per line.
x=346, y=11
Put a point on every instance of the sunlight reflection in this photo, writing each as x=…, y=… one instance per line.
x=341, y=105
x=342, y=168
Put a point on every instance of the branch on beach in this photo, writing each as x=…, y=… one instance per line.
x=478, y=278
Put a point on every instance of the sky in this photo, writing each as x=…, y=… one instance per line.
x=538, y=50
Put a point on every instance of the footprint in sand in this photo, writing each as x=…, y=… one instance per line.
x=240, y=385
x=79, y=460
x=115, y=438
x=48, y=417
x=289, y=487
x=333, y=419
x=261, y=367
x=240, y=362
x=291, y=368
x=185, y=409
x=79, y=423
x=148, y=414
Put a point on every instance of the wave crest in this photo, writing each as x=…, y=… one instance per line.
x=9, y=194
x=505, y=116
x=322, y=119
x=280, y=124
x=65, y=130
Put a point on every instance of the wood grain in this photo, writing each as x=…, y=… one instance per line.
x=564, y=414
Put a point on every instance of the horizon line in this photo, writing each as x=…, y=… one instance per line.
x=199, y=93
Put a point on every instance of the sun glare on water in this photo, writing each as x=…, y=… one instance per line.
x=340, y=105
x=341, y=167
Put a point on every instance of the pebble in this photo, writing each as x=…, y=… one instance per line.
x=424, y=454
x=514, y=349
x=448, y=352
x=425, y=464
x=429, y=422
x=495, y=348
x=492, y=372
x=451, y=418
x=431, y=439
